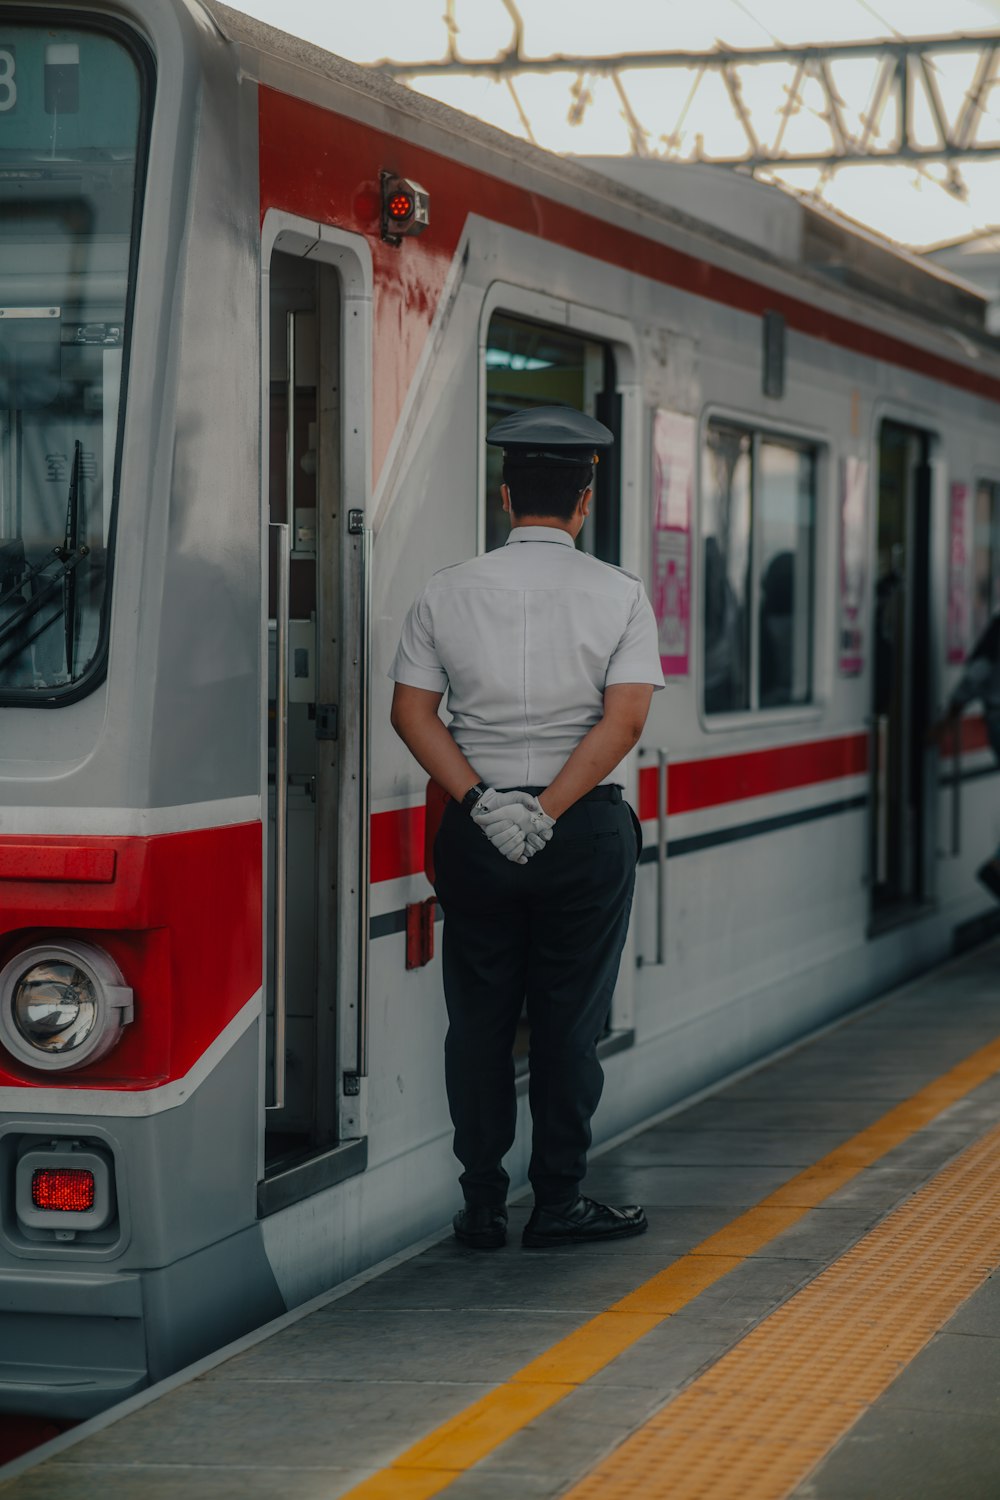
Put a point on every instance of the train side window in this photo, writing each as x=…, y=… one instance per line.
x=533, y=364
x=985, y=556
x=758, y=533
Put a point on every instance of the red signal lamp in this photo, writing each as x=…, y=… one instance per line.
x=63, y=1189
x=405, y=208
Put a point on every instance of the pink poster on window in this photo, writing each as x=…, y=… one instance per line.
x=673, y=485
x=957, y=633
x=853, y=572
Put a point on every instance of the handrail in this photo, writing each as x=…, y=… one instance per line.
x=356, y=525
x=282, y=571
x=662, y=813
x=290, y=472
x=874, y=805
x=956, y=789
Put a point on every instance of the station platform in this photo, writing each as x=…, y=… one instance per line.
x=813, y=1313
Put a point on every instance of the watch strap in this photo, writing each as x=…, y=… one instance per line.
x=472, y=796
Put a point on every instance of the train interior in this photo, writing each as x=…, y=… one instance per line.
x=532, y=364
x=301, y=1116
x=902, y=709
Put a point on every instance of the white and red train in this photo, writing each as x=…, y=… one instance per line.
x=242, y=410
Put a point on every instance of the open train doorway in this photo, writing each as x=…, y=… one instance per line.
x=304, y=631
x=901, y=706
x=530, y=363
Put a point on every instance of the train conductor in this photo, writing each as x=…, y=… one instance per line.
x=549, y=659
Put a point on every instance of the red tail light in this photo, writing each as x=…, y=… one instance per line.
x=64, y=1189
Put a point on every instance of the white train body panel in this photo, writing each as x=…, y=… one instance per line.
x=782, y=881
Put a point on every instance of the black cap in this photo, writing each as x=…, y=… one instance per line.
x=554, y=434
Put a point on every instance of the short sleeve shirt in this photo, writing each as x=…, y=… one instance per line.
x=524, y=640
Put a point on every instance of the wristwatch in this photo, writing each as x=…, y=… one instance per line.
x=472, y=796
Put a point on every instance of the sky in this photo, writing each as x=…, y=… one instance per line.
x=909, y=205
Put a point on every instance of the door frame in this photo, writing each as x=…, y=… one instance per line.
x=925, y=424
x=350, y=256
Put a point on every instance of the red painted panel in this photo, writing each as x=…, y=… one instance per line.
x=974, y=737
x=696, y=784
x=57, y=859
x=324, y=166
x=398, y=847
x=181, y=918
x=436, y=800
x=397, y=843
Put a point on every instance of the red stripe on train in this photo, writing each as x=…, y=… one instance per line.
x=397, y=836
x=325, y=166
x=696, y=784
x=180, y=915
x=974, y=737
x=397, y=843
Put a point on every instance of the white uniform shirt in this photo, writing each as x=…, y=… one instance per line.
x=524, y=640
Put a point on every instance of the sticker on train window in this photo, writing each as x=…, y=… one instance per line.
x=8, y=79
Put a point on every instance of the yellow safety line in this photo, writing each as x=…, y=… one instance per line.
x=763, y=1416
x=432, y=1464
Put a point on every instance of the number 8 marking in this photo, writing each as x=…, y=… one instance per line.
x=8, y=88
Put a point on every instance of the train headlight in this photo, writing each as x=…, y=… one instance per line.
x=62, y=1005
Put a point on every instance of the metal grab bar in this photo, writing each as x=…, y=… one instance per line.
x=283, y=565
x=662, y=811
x=874, y=802
x=290, y=446
x=956, y=789
x=357, y=527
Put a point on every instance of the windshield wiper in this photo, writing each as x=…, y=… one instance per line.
x=48, y=584
x=69, y=550
x=45, y=584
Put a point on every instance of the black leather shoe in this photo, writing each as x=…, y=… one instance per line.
x=989, y=876
x=581, y=1222
x=481, y=1225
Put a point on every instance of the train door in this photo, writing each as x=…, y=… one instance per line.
x=315, y=306
x=901, y=678
x=535, y=363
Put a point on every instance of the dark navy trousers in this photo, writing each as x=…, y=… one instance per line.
x=548, y=934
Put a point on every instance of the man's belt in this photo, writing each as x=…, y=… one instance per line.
x=608, y=793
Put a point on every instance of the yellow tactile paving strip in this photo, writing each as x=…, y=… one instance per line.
x=766, y=1413
x=429, y=1466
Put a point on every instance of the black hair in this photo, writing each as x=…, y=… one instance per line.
x=538, y=488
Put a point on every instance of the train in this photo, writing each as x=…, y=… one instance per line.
x=258, y=308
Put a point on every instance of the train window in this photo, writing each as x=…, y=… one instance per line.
x=758, y=525
x=72, y=103
x=533, y=364
x=985, y=556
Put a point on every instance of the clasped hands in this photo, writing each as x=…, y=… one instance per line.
x=514, y=823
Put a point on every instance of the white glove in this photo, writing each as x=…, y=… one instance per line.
x=514, y=823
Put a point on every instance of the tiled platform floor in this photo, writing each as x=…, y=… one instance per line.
x=310, y=1412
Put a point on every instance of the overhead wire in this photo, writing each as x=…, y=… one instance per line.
x=871, y=116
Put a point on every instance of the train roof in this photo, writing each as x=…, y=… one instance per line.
x=724, y=207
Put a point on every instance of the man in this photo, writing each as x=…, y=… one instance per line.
x=550, y=660
x=981, y=679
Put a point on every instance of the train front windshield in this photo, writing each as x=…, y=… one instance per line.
x=73, y=105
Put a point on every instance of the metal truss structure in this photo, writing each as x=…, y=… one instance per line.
x=905, y=82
